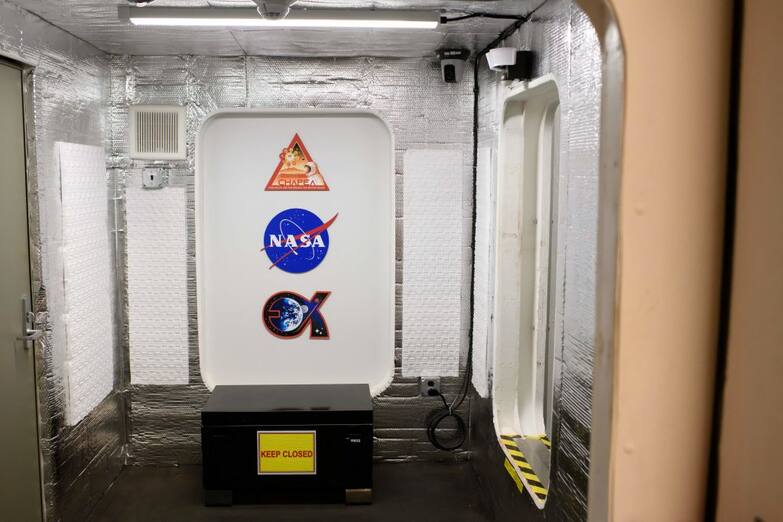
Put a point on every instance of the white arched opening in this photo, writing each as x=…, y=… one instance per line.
x=526, y=263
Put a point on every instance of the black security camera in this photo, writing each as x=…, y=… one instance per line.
x=452, y=64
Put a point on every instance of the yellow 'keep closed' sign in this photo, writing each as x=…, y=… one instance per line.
x=286, y=453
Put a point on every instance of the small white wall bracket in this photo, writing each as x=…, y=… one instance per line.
x=154, y=178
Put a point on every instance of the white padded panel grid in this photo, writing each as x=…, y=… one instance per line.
x=87, y=279
x=432, y=262
x=157, y=285
x=482, y=259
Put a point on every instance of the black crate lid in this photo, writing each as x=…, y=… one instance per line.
x=299, y=403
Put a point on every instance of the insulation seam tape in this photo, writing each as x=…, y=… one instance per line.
x=520, y=469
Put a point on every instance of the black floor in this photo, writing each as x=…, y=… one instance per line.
x=401, y=492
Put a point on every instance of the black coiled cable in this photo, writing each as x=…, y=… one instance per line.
x=436, y=417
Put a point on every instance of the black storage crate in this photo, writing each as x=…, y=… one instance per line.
x=238, y=421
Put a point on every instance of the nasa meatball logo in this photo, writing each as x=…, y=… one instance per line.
x=287, y=314
x=296, y=240
x=296, y=170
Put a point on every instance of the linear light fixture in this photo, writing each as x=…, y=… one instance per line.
x=298, y=18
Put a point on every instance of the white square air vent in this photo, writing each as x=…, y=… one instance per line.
x=157, y=132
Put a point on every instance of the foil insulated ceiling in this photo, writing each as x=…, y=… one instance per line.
x=97, y=22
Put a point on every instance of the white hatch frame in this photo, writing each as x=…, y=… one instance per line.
x=523, y=358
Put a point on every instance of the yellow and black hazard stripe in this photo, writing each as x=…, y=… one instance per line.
x=524, y=469
x=542, y=438
x=508, y=440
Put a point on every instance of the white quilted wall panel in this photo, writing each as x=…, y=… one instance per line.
x=482, y=290
x=88, y=312
x=157, y=285
x=432, y=262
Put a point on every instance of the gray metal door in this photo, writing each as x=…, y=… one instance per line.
x=20, y=472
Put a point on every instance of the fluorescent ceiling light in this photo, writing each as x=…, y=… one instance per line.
x=309, y=18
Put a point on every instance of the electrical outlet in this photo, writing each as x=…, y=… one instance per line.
x=152, y=178
x=429, y=386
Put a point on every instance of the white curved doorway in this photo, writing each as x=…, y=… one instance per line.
x=523, y=357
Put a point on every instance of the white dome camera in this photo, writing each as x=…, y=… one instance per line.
x=500, y=58
x=274, y=9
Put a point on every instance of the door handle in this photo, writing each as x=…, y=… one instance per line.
x=30, y=333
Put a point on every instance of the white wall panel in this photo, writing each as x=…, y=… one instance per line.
x=432, y=262
x=237, y=210
x=485, y=217
x=87, y=279
x=157, y=285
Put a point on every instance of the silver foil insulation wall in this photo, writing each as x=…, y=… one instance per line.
x=82, y=95
x=423, y=113
x=69, y=91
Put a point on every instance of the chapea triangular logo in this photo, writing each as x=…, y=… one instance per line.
x=296, y=170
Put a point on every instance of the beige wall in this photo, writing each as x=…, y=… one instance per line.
x=750, y=453
x=671, y=226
